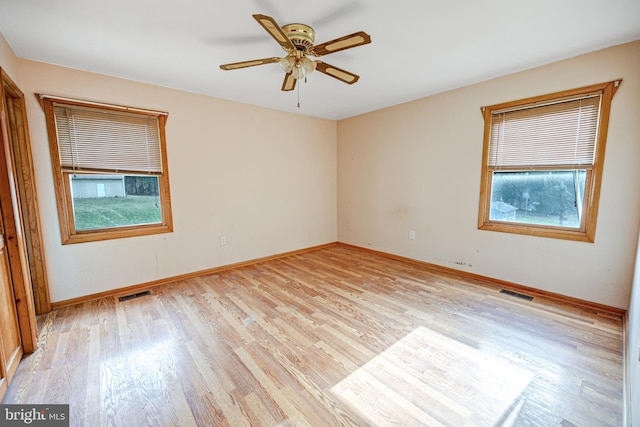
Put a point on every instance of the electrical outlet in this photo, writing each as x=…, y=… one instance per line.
x=412, y=235
x=223, y=240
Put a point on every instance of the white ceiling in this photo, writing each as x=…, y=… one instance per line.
x=419, y=47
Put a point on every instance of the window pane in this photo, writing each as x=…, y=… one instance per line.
x=544, y=198
x=107, y=201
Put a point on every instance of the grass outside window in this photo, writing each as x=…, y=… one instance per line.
x=108, y=212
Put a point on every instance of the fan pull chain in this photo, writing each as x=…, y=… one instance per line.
x=298, y=88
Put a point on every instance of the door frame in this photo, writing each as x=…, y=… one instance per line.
x=20, y=210
x=22, y=160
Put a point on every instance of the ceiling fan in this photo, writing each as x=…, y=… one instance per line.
x=298, y=41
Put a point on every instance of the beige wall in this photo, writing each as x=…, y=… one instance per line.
x=236, y=170
x=416, y=166
x=8, y=60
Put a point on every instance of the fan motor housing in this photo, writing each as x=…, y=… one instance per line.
x=302, y=36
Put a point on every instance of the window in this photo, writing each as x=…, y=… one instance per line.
x=110, y=170
x=542, y=163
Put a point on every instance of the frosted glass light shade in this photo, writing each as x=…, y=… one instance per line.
x=298, y=72
x=287, y=63
x=308, y=65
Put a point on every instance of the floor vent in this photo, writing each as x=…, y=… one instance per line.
x=515, y=294
x=132, y=296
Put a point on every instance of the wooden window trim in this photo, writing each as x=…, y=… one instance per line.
x=587, y=230
x=64, y=202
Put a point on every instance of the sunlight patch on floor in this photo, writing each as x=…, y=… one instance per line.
x=427, y=378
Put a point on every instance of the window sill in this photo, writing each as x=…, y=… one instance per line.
x=116, y=233
x=538, y=231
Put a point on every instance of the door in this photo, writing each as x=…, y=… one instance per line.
x=10, y=343
x=18, y=328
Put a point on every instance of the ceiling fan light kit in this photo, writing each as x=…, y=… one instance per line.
x=298, y=41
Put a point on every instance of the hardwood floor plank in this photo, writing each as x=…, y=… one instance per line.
x=280, y=397
x=337, y=336
x=258, y=411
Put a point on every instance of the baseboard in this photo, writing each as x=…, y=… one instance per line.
x=501, y=283
x=148, y=285
x=433, y=267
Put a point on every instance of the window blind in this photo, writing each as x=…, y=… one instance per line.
x=559, y=134
x=92, y=139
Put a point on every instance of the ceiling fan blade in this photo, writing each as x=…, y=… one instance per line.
x=337, y=73
x=289, y=82
x=272, y=27
x=251, y=63
x=342, y=43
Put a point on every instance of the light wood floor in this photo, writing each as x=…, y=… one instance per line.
x=333, y=337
